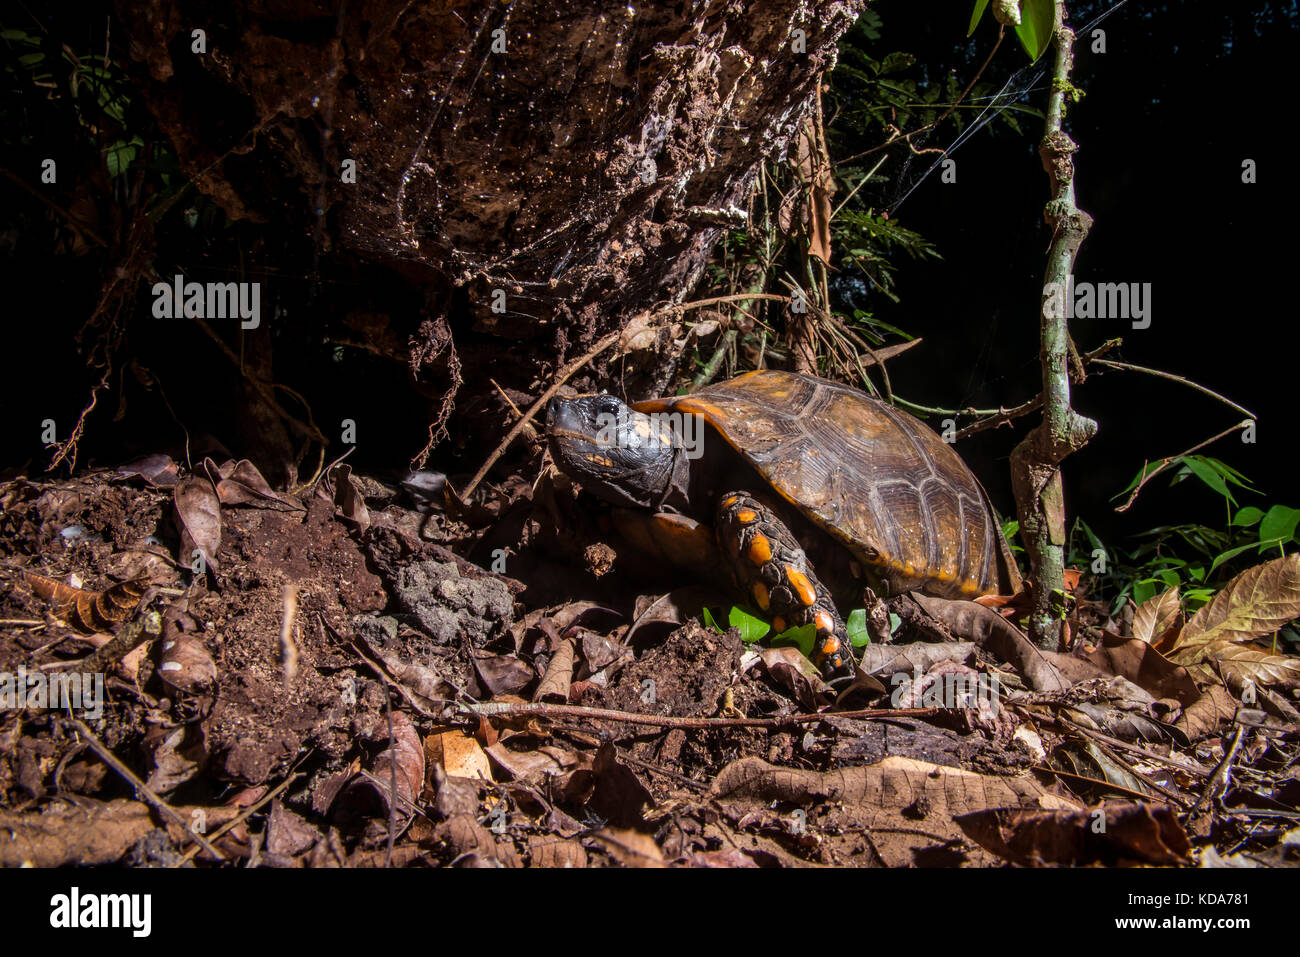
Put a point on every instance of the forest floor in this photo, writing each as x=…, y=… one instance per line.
x=344, y=684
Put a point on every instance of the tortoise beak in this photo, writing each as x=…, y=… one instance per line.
x=564, y=419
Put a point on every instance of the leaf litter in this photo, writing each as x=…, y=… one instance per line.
x=341, y=680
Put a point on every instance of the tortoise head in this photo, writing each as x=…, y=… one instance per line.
x=624, y=456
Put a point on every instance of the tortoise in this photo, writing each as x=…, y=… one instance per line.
x=808, y=473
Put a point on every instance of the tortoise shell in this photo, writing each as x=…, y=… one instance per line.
x=877, y=479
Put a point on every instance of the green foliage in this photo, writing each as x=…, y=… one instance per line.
x=856, y=625
x=1010, y=529
x=801, y=637
x=1197, y=559
x=97, y=91
x=1216, y=474
x=880, y=107
x=1037, y=18
x=872, y=243
x=752, y=628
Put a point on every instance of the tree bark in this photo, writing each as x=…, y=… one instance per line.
x=1036, y=461
x=546, y=170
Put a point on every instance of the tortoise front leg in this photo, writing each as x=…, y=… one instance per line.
x=768, y=566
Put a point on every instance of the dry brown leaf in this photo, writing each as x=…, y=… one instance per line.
x=459, y=754
x=555, y=683
x=240, y=483
x=1155, y=616
x=87, y=610
x=918, y=656
x=1257, y=602
x=88, y=832
x=198, y=516
x=1239, y=665
x=1134, y=833
x=966, y=619
x=630, y=848
x=895, y=782
x=402, y=763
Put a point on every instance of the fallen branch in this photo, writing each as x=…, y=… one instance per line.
x=538, y=709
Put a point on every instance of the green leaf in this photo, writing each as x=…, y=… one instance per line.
x=802, y=638
x=976, y=15
x=1143, y=590
x=751, y=628
x=1209, y=475
x=1279, y=523
x=1037, y=18
x=1247, y=516
x=118, y=157
x=1092, y=538
x=894, y=622
x=708, y=620
x=1233, y=553
x=857, y=628
x=1227, y=471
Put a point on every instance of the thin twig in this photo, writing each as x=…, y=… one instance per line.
x=1111, y=363
x=142, y=789
x=1222, y=776
x=536, y=407
x=539, y=709
x=243, y=816
x=1181, y=764
x=1097, y=782
x=1005, y=416
x=1166, y=462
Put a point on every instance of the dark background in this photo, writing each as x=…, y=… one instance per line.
x=1184, y=93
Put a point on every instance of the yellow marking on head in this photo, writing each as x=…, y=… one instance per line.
x=802, y=586
x=760, y=550
x=761, y=596
x=599, y=460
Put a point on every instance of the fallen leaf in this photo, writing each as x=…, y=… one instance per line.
x=87, y=610
x=1257, y=602
x=459, y=754
x=1240, y=665
x=198, y=517
x=1135, y=833
x=1156, y=616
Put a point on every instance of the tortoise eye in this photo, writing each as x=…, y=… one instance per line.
x=607, y=405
